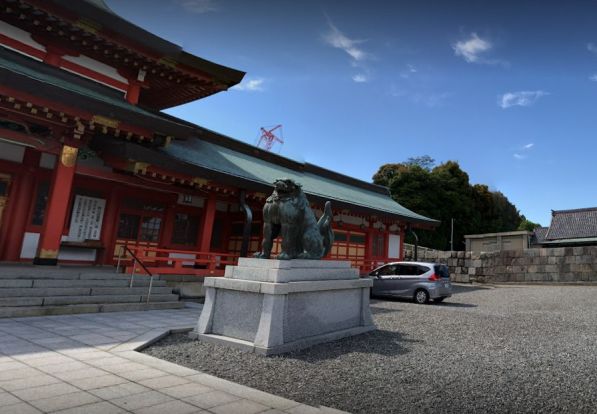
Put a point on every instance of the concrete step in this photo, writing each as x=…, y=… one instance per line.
x=81, y=291
x=122, y=282
x=21, y=301
x=103, y=299
x=18, y=292
x=45, y=274
x=15, y=283
x=16, y=312
x=130, y=291
x=107, y=276
x=39, y=275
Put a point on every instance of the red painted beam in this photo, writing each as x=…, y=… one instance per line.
x=22, y=47
x=72, y=111
x=56, y=59
x=111, y=37
x=29, y=141
x=128, y=180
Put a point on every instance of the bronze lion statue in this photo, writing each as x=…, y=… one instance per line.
x=286, y=213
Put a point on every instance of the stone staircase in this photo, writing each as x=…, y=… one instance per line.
x=39, y=290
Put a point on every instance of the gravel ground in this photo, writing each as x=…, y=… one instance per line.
x=498, y=349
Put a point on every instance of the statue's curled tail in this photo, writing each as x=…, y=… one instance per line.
x=325, y=228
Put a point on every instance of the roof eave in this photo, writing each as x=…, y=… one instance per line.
x=38, y=88
x=158, y=158
x=146, y=40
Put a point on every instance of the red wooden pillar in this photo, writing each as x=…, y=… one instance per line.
x=168, y=226
x=110, y=227
x=62, y=182
x=209, y=215
x=19, y=200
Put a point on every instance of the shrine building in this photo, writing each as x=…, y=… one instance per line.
x=89, y=163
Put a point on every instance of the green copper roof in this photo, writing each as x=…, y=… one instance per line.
x=52, y=83
x=231, y=162
x=60, y=82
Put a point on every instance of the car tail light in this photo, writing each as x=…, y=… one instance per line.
x=434, y=278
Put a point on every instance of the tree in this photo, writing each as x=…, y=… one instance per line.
x=527, y=224
x=443, y=192
x=424, y=161
x=387, y=173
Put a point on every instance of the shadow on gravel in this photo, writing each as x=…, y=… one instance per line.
x=375, y=310
x=464, y=289
x=381, y=299
x=379, y=342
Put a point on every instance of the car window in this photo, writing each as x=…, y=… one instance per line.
x=442, y=271
x=411, y=270
x=387, y=270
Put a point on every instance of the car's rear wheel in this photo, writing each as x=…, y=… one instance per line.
x=421, y=297
x=439, y=300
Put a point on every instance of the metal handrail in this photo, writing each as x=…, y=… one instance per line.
x=124, y=248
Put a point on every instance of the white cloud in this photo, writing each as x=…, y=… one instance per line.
x=251, y=85
x=524, y=150
x=593, y=77
x=472, y=48
x=591, y=47
x=358, y=56
x=408, y=72
x=198, y=6
x=360, y=78
x=339, y=40
x=520, y=98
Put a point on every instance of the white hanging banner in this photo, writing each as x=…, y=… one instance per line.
x=394, y=246
x=86, y=219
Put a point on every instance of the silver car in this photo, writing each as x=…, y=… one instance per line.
x=418, y=281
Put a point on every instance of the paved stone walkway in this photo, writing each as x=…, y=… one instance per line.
x=88, y=364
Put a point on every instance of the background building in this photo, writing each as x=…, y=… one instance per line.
x=576, y=227
x=495, y=242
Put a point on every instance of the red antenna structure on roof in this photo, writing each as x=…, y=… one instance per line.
x=268, y=137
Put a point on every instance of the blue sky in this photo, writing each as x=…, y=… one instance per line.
x=506, y=88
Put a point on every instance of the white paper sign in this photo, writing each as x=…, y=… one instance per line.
x=394, y=246
x=86, y=219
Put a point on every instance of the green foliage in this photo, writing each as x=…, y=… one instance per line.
x=527, y=225
x=444, y=193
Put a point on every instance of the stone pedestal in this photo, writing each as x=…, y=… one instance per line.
x=274, y=306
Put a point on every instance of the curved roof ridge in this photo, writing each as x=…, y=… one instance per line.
x=574, y=210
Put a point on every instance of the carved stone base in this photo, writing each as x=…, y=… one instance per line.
x=280, y=306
